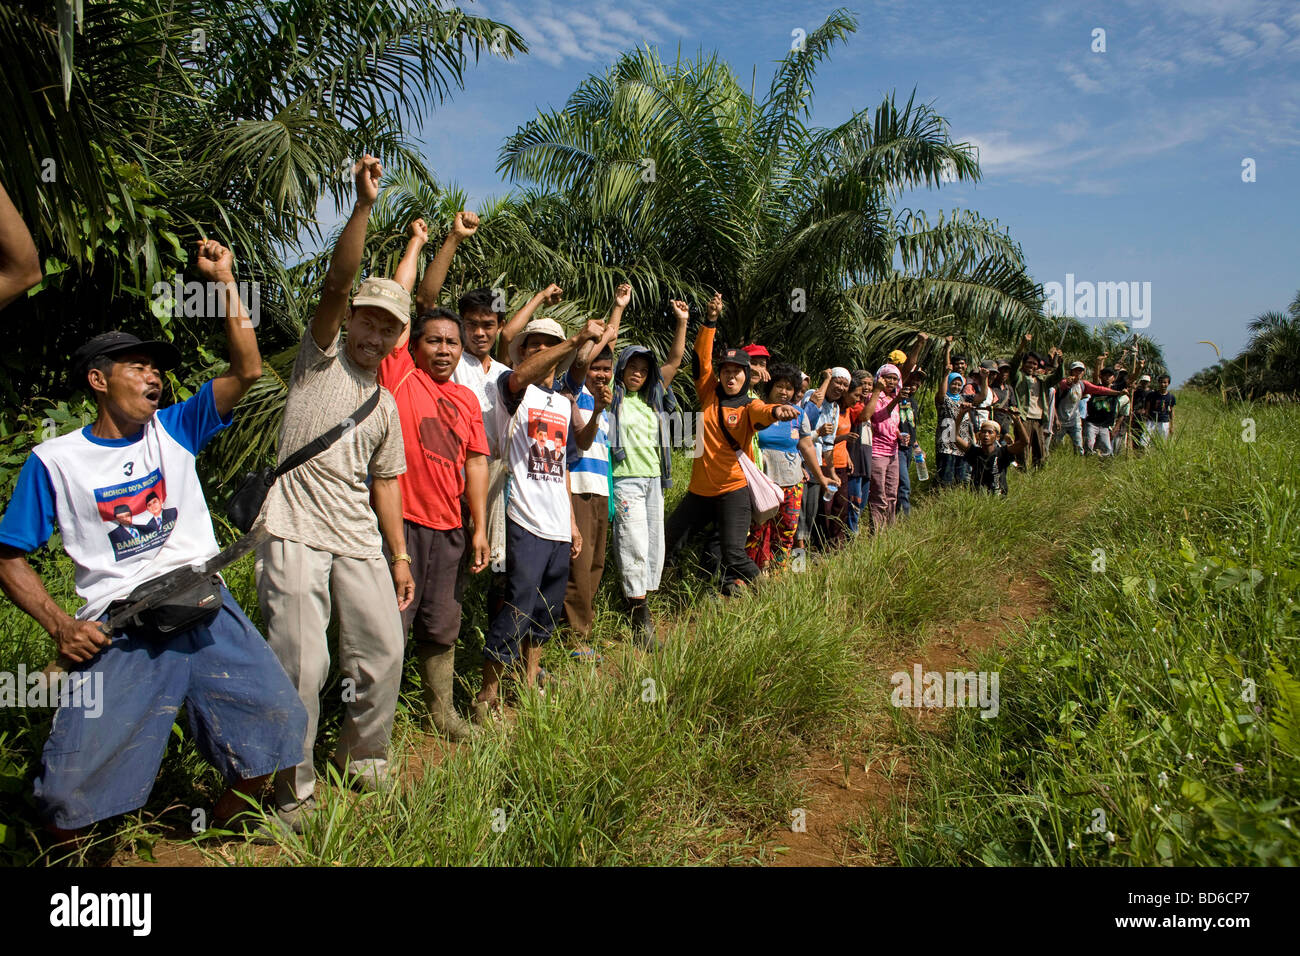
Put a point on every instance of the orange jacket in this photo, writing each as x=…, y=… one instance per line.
x=717, y=471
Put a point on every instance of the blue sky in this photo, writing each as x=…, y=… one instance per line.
x=1115, y=166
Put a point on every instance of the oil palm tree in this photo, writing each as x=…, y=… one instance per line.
x=677, y=178
x=137, y=125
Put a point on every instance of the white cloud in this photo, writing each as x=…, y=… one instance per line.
x=1080, y=79
x=1078, y=154
x=1200, y=57
x=1271, y=36
x=1235, y=44
x=558, y=33
x=1000, y=152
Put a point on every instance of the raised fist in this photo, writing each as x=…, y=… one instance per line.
x=465, y=224
x=214, y=261
x=366, y=173
x=714, y=308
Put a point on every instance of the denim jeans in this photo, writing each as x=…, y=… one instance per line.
x=639, y=533
x=1074, y=428
x=855, y=503
x=113, y=727
x=1098, y=439
x=951, y=469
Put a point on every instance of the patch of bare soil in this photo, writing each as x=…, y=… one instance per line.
x=859, y=783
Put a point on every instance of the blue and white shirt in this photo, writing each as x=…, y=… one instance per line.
x=589, y=470
x=129, y=509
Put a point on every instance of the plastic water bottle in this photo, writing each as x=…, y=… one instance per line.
x=829, y=493
x=922, y=472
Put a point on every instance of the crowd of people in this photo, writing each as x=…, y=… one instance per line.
x=475, y=442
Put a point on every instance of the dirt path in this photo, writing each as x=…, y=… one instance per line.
x=857, y=784
x=852, y=785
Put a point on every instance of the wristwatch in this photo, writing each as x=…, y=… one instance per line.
x=400, y=557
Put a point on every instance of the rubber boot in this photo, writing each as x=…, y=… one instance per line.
x=643, y=628
x=438, y=669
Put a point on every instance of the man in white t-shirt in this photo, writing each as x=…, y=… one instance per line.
x=541, y=530
x=123, y=690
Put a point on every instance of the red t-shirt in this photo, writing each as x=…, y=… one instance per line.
x=440, y=425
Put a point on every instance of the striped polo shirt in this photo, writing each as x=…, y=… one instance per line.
x=589, y=470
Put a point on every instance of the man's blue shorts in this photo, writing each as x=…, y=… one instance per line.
x=244, y=714
x=538, y=575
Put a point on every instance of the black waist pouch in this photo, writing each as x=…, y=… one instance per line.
x=196, y=606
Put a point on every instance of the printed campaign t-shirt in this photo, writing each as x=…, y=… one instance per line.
x=907, y=423
x=1068, y=400
x=469, y=372
x=639, y=433
x=129, y=509
x=538, y=500
x=441, y=424
x=1101, y=410
x=780, y=444
x=324, y=503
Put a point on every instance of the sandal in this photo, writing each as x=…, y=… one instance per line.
x=486, y=712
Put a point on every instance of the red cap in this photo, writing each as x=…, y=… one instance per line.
x=756, y=351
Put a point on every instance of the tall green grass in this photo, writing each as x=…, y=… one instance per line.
x=1153, y=717
x=692, y=754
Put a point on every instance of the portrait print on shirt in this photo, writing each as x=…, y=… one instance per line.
x=135, y=514
x=547, y=437
x=438, y=436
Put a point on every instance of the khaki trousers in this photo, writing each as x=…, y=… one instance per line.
x=296, y=586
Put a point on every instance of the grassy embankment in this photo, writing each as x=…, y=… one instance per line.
x=692, y=754
x=1153, y=718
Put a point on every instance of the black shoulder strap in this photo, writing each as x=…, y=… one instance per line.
x=319, y=444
